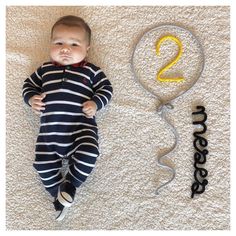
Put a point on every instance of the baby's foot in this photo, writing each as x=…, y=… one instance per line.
x=61, y=211
x=65, y=198
x=66, y=193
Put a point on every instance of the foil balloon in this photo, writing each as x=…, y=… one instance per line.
x=167, y=61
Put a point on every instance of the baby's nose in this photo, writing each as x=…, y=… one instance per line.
x=65, y=50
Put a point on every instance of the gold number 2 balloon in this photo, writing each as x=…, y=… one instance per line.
x=171, y=63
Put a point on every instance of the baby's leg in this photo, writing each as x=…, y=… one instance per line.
x=84, y=158
x=49, y=170
x=81, y=163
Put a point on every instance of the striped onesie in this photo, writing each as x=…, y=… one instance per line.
x=65, y=131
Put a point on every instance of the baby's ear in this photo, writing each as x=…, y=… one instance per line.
x=88, y=47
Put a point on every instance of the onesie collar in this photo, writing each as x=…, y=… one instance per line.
x=76, y=65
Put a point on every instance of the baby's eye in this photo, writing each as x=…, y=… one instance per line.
x=75, y=44
x=58, y=43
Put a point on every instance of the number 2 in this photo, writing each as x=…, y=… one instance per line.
x=171, y=63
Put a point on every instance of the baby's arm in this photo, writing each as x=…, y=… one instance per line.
x=102, y=90
x=32, y=90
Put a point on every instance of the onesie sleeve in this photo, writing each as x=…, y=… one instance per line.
x=32, y=85
x=102, y=89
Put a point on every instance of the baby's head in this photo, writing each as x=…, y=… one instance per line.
x=70, y=40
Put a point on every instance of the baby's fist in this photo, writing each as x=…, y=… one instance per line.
x=89, y=108
x=36, y=103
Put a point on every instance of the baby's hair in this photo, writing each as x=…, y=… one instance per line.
x=71, y=20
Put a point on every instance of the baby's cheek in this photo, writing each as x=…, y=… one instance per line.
x=53, y=53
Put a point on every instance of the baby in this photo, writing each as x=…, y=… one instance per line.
x=67, y=91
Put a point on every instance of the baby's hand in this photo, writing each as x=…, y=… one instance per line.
x=89, y=108
x=36, y=103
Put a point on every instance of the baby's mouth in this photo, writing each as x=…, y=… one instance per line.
x=65, y=56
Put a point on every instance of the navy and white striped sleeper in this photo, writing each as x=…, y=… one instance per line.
x=65, y=131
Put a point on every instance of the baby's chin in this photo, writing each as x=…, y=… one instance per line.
x=66, y=62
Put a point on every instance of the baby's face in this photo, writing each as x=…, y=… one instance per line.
x=69, y=45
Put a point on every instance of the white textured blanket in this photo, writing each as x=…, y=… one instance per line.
x=120, y=193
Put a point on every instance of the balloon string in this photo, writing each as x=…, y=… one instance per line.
x=162, y=111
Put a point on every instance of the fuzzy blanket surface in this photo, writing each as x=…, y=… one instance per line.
x=120, y=192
